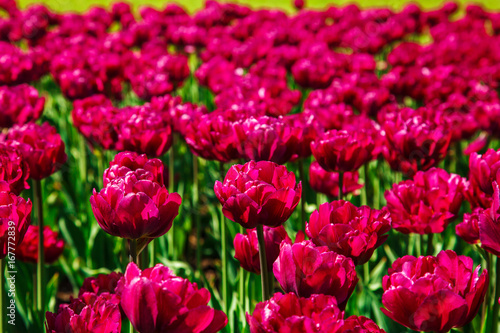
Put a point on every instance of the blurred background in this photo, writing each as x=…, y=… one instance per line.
x=193, y=5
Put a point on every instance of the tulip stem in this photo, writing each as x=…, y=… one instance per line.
x=40, y=272
x=430, y=245
x=264, y=274
x=224, y=249
x=341, y=184
x=364, y=190
x=196, y=217
x=132, y=250
x=171, y=173
x=303, y=198
x=494, y=312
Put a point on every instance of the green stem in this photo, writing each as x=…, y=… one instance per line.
x=223, y=238
x=341, y=184
x=132, y=250
x=494, y=312
x=171, y=173
x=485, y=306
x=40, y=269
x=430, y=244
x=264, y=274
x=419, y=240
x=303, y=198
x=364, y=189
x=196, y=216
x=152, y=253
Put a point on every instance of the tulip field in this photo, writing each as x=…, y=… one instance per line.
x=236, y=169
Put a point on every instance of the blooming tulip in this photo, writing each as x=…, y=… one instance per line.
x=155, y=300
x=103, y=283
x=19, y=104
x=258, y=193
x=327, y=183
x=468, y=229
x=348, y=230
x=306, y=269
x=28, y=250
x=433, y=294
x=14, y=170
x=489, y=225
x=127, y=161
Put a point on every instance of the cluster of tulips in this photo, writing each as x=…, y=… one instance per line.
x=396, y=115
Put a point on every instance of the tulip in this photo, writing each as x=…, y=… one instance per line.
x=292, y=313
x=426, y=204
x=258, y=193
x=468, y=229
x=20, y=105
x=15, y=217
x=483, y=170
x=155, y=300
x=103, y=283
x=41, y=147
x=90, y=313
x=348, y=230
x=327, y=183
x=135, y=207
x=306, y=269
x=433, y=294
x=246, y=247
x=127, y=161
x=361, y=324
x=342, y=151
x=489, y=224
x=28, y=250
x=14, y=170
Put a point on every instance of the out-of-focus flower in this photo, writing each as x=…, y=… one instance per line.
x=19, y=105
x=102, y=283
x=327, y=183
x=489, y=224
x=468, y=229
x=90, y=313
x=342, y=151
x=348, y=230
x=246, y=247
x=433, y=294
x=155, y=300
x=135, y=207
x=355, y=324
x=307, y=269
x=15, y=216
x=426, y=204
x=127, y=161
x=258, y=193
x=41, y=146
x=53, y=247
x=14, y=170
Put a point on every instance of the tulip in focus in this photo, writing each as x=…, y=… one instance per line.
x=258, y=193
x=348, y=230
x=14, y=170
x=246, y=247
x=127, y=161
x=468, y=229
x=28, y=250
x=489, y=225
x=306, y=269
x=434, y=294
x=155, y=300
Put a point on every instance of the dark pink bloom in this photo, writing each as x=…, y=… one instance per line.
x=468, y=229
x=299, y=4
x=291, y=313
x=258, y=193
x=53, y=247
x=489, y=224
x=361, y=324
x=19, y=105
x=348, y=230
x=433, y=294
x=307, y=269
x=426, y=204
x=14, y=170
x=90, y=313
x=342, y=151
x=246, y=247
x=136, y=207
x=103, y=283
x=483, y=170
x=15, y=217
x=127, y=161
x=41, y=146
x=155, y=300
x=327, y=183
